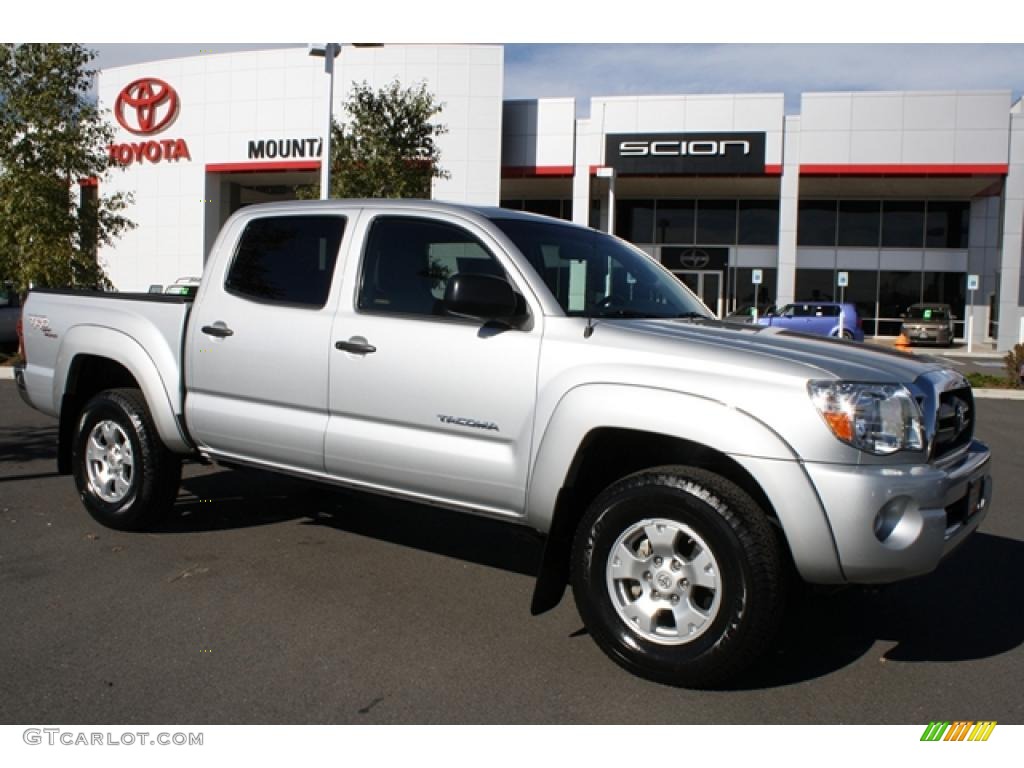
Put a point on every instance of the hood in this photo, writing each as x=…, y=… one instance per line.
x=813, y=357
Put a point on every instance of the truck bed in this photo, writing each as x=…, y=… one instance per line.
x=155, y=322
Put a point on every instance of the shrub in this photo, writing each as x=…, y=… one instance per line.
x=1014, y=360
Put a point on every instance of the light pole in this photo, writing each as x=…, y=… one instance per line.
x=329, y=52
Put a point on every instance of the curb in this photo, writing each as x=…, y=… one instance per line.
x=999, y=394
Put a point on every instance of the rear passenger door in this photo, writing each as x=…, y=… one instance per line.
x=429, y=405
x=260, y=342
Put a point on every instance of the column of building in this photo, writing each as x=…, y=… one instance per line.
x=789, y=204
x=1011, y=319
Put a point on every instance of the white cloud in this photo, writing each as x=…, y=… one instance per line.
x=608, y=70
x=584, y=70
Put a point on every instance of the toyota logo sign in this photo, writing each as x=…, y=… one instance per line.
x=146, y=106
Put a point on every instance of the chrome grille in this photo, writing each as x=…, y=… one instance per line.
x=954, y=422
x=947, y=406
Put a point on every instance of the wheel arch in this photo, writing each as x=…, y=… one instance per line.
x=645, y=428
x=93, y=359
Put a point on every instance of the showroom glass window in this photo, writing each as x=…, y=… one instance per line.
x=716, y=222
x=947, y=224
x=859, y=223
x=758, y=222
x=816, y=223
x=743, y=287
x=947, y=288
x=814, y=284
x=286, y=260
x=862, y=292
x=634, y=220
x=556, y=209
x=902, y=224
x=675, y=222
x=897, y=290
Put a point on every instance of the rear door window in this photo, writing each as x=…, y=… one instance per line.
x=287, y=260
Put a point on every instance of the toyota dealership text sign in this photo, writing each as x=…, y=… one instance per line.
x=146, y=107
x=685, y=153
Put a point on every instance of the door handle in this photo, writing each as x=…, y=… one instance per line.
x=356, y=345
x=220, y=330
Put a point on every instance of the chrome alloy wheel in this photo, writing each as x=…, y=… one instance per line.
x=664, y=581
x=109, y=461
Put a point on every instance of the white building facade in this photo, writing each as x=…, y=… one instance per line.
x=202, y=136
x=880, y=199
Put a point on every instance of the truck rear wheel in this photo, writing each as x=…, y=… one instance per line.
x=126, y=477
x=678, y=576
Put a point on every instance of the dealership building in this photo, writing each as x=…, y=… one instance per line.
x=880, y=199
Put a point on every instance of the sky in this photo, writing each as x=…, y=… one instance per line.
x=599, y=47
x=583, y=70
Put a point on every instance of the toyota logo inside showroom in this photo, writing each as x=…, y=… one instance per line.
x=146, y=106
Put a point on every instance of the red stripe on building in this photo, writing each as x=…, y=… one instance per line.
x=535, y=171
x=952, y=169
x=769, y=170
x=282, y=165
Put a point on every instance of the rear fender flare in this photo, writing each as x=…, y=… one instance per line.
x=127, y=352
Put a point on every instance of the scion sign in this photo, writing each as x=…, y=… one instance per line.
x=675, y=153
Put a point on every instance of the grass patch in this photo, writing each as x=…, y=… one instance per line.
x=988, y=381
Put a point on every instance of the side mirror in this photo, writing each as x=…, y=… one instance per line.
x=481, y=297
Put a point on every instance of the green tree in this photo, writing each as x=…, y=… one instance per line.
x=386, y=146
x=53, y=136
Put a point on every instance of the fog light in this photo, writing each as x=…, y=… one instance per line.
x=888, y=517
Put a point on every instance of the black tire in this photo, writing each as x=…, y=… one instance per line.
x=845, y=334
x=744, y=573
x=126, y=477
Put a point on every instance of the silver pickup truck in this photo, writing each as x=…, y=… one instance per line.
x=514, y=366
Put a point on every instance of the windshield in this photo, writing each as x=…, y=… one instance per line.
x=926, y=313
x=594, y=275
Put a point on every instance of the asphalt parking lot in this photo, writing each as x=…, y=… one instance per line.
x=266, y=600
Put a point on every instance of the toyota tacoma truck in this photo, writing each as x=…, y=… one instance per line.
x=682, y=469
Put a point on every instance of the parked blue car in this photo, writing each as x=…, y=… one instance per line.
x=818, y=317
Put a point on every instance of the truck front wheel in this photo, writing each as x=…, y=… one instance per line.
x=126, y=477
x=678, y=576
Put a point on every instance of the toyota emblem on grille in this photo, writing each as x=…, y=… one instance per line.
x=961, y=416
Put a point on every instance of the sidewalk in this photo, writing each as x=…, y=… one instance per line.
x=983, y=351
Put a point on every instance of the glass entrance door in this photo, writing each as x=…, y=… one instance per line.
x=707, y=284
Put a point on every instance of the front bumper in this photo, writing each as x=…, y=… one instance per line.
x=927, y=335
x=895, y=522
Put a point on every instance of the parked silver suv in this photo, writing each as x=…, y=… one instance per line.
x=929, y=324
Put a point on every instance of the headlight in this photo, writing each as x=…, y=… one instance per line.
x=877, y=418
